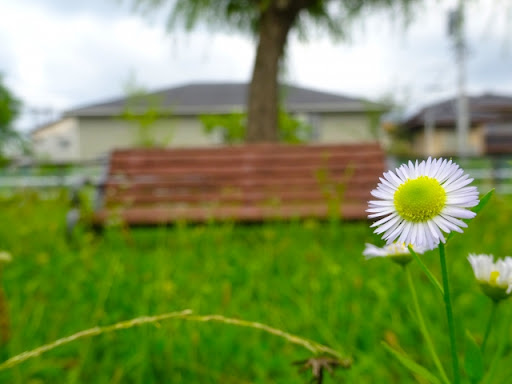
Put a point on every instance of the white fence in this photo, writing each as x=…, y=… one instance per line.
x=36, y=182
x=485, y=178
x=501, y=179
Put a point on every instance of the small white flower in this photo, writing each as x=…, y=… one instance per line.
x=419, y=201
x=397, y=252
x=5, y=257
x=495, y=278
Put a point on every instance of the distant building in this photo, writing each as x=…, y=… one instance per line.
x=432, y=130
x=171, y=118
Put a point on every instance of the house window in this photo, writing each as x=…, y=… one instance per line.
x=498, y=138
x=498, y=144
x=63, y=143
x=313, y=120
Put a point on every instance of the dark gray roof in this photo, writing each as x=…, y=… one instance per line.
x=202, y=98
x=486, y=108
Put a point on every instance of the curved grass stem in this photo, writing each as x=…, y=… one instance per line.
x=187, y=315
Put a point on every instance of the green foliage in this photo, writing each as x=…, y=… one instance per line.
x=412, y=365
x=291, y=129
x=332, y=16
x=308, y=278
x=144, y=110
x=9, y=110
x=473, y=362
x=233, y=127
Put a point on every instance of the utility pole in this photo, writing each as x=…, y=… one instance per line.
x=456, y=32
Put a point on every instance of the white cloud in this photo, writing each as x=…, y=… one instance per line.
x=65, y=54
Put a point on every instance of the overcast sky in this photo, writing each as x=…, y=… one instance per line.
x=60, y=54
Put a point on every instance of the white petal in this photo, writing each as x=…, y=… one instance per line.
x=449, y=224
x=381, y=203
x=380, y=214
x=458, y=184
x=421, y=234
x=393, y=179
x=405, y=232
x=461, y=201
x=435, y=234
x=460, y=213
x=384, y=227
x=428, y=165
x=414, y=233
x=386, y=189
x=381, y=209
x=393, y=235
x=455, y=221
x=390, y=230
x=421, y=168
x=387, y=184
x=402, y=174
x=453, y=177
x=380, y=194
x=385, y=219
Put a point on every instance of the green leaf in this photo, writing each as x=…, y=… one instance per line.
x=483, y=202
x=473, y=362
x=412, y=365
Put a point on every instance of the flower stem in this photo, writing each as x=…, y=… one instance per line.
x=429, y=274
x=424, y=329
x=449, y=315
x=499, y=351
x=489, y=324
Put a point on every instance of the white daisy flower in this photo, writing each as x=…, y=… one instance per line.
x=418, y=202
x=495, y=278
x=397, y=252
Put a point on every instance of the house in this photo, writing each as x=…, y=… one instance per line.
x=432, y=130
x=170, y=117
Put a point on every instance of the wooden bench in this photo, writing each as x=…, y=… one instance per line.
x=247, y=183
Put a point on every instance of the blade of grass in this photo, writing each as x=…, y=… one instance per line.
x=412, y=365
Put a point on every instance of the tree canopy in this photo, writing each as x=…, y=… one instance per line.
x=9, y=111
x=270, y=22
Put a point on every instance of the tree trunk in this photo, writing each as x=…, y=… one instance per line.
x=262, y=108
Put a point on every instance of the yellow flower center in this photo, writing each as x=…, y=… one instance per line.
x=419, y=200
x=493, y=279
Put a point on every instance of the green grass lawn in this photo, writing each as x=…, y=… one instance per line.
x=306, y=278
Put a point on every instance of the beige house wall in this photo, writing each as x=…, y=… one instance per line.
x=90, y=138
x=344, y=128
x=445, y=142
x=58, y=142
x=99, y=136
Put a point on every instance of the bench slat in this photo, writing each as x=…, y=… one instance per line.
x=164, y=215
x=237, y=197
x=242, y=183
